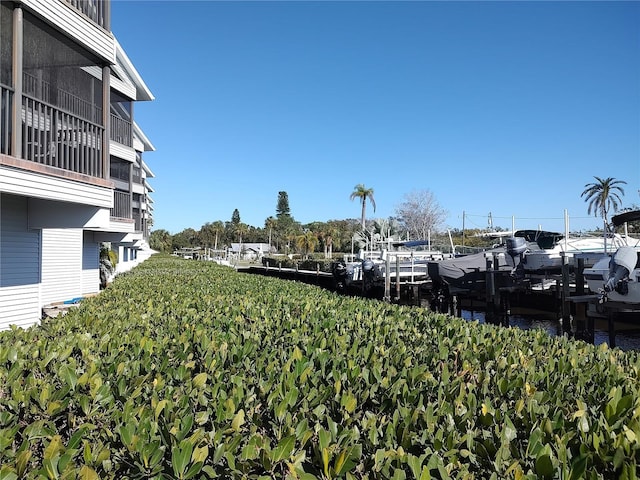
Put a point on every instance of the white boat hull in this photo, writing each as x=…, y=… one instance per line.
x=590, y=249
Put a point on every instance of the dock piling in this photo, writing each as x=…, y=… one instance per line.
x=564, y=296
x=387, y=279
x=612, y=328
x=397, y=277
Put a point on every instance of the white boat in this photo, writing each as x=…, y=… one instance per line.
x=616, y=277
x=589, y=248
x=468, y=273
x=522, y=253
x=369, y=270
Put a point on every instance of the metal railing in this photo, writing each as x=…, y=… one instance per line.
x=53, y=137
x=121, y=205
x=121, y=131
x=40, y=89
x=78, y=106
x=6, y=99
x=35, y=87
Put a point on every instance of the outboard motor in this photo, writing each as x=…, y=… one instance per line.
x=370, y=272
x=340, y=275
x=620, y=267
x=516, y=248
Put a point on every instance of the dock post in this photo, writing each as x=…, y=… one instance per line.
x=489, y=282
x=556, y=298
x=397, y=277
x=505, y=303
x=496, y=291
x=412, y=271
x=492, y=290
x=579, y=308
x=612, y=328
x=591, y=329
x=566, y=316
x=387, y=279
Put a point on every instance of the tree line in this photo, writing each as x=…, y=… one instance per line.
x=418, y=217
x=415, y=218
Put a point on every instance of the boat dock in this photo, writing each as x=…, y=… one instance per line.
x=400, y=287
x=564, y=294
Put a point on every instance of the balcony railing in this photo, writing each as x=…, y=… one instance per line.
x=121, y=131
x=121, y=205
x=53, y=137
x=41, y=90
x=96, y=10
x=6, y=99
x=36, y=87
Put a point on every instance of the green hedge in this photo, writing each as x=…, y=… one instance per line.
x=312, y=264
x=191, y=370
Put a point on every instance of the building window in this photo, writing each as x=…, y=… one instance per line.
x=119, y=169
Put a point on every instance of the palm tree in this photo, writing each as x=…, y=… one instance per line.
x=307, y=242
x=363, y=193
x=241, y=229
x=270, y=223
x=602, y=196
x=218, y=227
x=326, y=236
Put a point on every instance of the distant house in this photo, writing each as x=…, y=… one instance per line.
x=251, y=251
x=72, y=175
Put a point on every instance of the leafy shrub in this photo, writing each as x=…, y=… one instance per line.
x=311, y=264
x=191, y=370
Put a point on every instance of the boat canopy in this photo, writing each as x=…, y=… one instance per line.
x=411, y=243
x=545, y=239
x=625, y=217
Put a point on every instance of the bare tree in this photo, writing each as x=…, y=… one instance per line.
x=420, y=213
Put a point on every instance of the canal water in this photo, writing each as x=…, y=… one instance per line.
x=627, y=335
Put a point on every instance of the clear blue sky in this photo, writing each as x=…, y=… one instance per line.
x=502, y=107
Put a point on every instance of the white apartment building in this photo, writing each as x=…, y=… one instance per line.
x=72, y=174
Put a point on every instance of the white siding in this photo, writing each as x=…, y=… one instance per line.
x=19, y=265
x=122, y=151
x=126, y=89
x=90, y=265
x=37, y=185
x=78, y=27
x=61, y=264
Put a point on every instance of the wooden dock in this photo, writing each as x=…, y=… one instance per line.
x=313, y=277
x=564, y=293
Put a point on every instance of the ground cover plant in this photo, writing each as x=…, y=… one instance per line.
x=185, y=369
